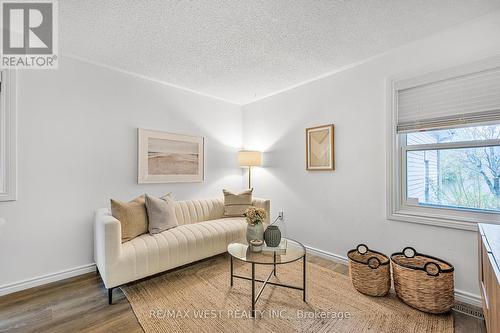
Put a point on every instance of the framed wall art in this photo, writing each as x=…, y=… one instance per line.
x=169, y=158
x=319, y=148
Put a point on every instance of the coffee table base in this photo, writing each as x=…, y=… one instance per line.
x=266, y=282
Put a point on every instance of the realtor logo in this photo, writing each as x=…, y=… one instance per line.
x=29, y=34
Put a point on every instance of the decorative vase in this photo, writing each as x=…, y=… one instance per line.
x=272, y=236
x=255, y=231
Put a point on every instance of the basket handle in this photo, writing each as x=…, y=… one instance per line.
x=362, y=249
x=374, y=262
x=432, y=268
x=409, y=252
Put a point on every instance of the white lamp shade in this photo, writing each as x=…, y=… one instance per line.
x=249, y=158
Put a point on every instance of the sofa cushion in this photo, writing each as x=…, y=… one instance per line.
x=150, y=254
x=161, y=213
x=132, y=216
x=235, y=204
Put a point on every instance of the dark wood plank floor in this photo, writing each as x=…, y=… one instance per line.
x=80, y=304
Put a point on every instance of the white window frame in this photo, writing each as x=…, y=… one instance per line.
x=8, y=136
x=398, y=207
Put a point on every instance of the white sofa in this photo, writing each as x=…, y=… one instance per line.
x=202, y=233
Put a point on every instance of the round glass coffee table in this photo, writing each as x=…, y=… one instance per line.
x=294, y=251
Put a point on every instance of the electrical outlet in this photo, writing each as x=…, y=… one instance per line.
x=280, y=215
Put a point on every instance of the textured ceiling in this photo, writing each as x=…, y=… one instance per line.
x=242, y=50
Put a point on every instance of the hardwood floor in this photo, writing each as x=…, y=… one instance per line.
x=80, y=304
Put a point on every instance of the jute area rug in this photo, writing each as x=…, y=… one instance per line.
x=199, y=299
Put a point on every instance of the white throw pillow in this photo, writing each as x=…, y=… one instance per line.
x=161, y=213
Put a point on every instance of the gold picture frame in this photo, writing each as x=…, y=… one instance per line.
x=320, y=153
x=170, y=158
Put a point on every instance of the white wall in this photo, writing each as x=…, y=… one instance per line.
x=334, y=211
x=77, y=144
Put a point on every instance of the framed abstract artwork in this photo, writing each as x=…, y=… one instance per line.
x=169, y=158
x=319, y=148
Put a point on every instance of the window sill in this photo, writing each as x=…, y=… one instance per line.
x=454, y=222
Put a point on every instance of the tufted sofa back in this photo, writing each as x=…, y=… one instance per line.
x=193, y=211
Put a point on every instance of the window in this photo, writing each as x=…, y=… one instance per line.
x=454, y=168
x=444, y=158
x=7, y=137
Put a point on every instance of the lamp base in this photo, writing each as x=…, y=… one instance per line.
x=249, y=177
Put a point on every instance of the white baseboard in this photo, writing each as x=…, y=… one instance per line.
x=460, y=295
x=327, y=255
x=468, y=298
x=45, y=279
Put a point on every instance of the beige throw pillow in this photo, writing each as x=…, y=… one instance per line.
x=235, y=204
x=161, y=213
x=132, y=216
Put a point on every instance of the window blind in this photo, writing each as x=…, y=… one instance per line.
x=470, y=98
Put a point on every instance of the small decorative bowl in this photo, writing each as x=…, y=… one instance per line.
x=256, y=245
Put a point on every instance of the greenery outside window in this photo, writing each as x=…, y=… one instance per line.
x=454, y=168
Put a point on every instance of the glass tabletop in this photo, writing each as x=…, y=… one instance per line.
x=294, y=251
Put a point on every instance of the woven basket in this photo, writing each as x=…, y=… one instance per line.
x=369, y=271
x=422, y=281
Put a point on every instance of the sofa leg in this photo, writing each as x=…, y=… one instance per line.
x=110, y=296
x=96, y=271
